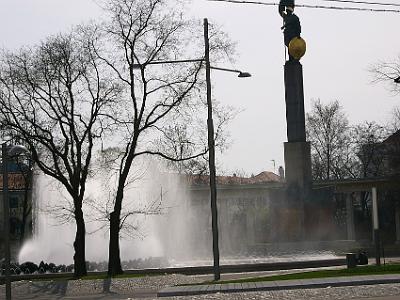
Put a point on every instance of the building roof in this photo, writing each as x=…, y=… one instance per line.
x=393, y=139
x=262, y=178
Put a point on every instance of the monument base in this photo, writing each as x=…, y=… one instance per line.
x=298, y=181
x=298, y=164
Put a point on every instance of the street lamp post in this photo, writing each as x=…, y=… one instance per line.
x=211, y=156
x=6, y=214
x=6, y=154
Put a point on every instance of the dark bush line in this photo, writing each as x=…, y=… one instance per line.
x=32, y=268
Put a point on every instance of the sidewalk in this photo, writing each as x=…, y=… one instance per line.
x=190, y=290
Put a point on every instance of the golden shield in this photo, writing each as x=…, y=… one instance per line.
x=297, y=47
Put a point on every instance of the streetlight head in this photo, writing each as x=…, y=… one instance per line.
x=397, y=80
x=17, y=150
x=244, y=74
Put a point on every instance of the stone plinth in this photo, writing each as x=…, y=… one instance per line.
x=298, y=164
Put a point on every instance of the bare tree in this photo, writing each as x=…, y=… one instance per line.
x=158, y=99
x=25, y=168
x=387, y=72
x=105, y=170
x=53, y=98
x=394, y=124
x=327, y=129
x=178, y=141
x=367, y=138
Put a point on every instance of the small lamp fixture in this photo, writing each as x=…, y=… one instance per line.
x=244, y=74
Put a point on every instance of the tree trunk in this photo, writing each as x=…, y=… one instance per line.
x=114, y=259
x=79, y=244
x=25, y=213
x=22, y=233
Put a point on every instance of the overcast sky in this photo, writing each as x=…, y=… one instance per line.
x=341, y=45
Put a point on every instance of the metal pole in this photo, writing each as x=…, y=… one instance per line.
x=376, y=227
x=6, y=214
x=211, y=153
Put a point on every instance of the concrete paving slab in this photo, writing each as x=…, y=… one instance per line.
x=192, y=288
x=251, y=286
x=266, y=285
x=216, y=288
x=211, y=288
x=323, y=280
x=293, y=282
x=203, y=288
x=334, y=279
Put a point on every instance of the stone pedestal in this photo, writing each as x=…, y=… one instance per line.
x=298, y=164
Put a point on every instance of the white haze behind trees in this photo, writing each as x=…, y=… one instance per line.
x=66, y=94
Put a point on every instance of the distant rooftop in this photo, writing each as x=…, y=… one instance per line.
x=393, y=139
x=262, y=178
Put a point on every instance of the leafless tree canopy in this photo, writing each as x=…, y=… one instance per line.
x=394, y=124
x=162, y=105
x=387, y=72
x=340, y=150
x=55, y=98
x=161, y=101
x=326, y=129
x=107, y=82
x=367, y=138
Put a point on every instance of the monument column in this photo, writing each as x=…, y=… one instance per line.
x=296, y=149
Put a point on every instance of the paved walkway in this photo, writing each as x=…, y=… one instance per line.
x=190, y=290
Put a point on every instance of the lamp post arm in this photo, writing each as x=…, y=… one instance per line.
x=224, y=69
x=161, y=62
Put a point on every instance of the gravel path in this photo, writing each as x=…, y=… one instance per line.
x=123, y=286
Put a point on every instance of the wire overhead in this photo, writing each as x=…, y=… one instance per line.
x=363, y=2
x=317, y=6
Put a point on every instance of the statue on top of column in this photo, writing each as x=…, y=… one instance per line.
x=291, y=30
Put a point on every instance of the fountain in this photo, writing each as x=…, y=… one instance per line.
x=176, y=227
